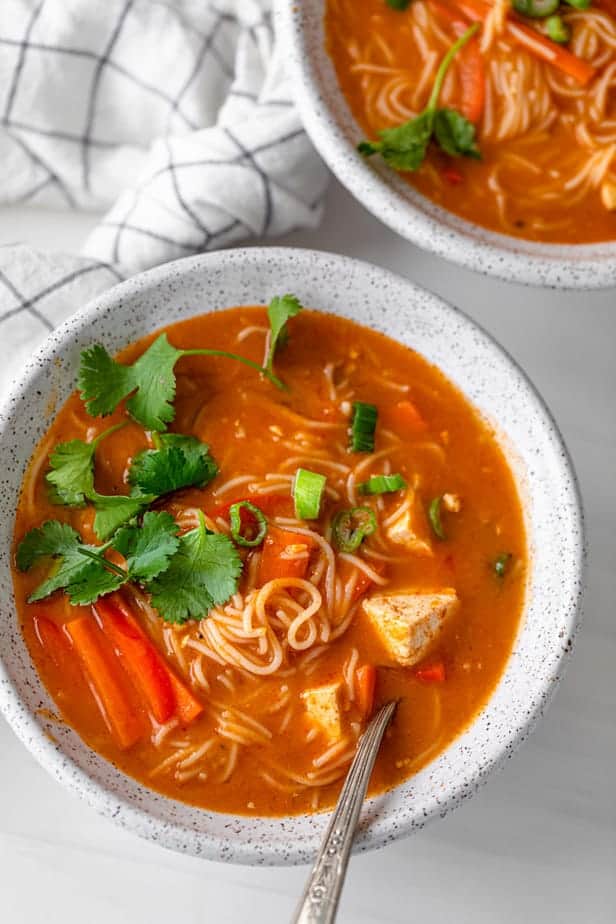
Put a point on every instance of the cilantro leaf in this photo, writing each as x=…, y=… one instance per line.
x=71, y=479
x=78, y=569
x=398, y=4
x=178, y=462
x=154, y=381
x=113, y=510
x=404, y=147
x=203, y=573
x=104, y=382
x=279, y=310
x=455, y=134
x=147, y=549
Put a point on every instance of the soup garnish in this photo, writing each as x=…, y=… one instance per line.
x=218, y=608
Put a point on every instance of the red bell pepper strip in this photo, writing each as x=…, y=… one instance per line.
x=163, y=692
x=431, y=673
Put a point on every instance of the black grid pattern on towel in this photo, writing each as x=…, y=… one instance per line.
x=24, y=131
x=14, y=302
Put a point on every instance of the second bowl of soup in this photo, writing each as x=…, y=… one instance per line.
x=467, y=128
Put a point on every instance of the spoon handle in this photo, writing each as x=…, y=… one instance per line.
x=319, y=902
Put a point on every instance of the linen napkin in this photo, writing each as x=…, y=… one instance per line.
x=174, y=115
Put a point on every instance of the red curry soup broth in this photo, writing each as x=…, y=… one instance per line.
x=256, y=708
x=542, y=112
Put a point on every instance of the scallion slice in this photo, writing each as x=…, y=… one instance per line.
x=434, y=515
x=235, y=519
x=502, y=563
x=350, y=527
x=308, y=489
x=382, y=484
x=363, y=427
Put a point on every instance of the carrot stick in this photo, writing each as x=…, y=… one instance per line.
x=53, y=641
x=284, y=555
x=405, y=417
x=365, y=682
x=163, y=692
x=106, y=681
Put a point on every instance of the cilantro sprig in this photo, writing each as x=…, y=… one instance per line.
x=404, y=147
x=150, y=381
x=186, y=575
x=177, y=462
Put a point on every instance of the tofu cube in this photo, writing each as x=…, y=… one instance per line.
x=411, y=530
x=409, y=623
x=324, y=708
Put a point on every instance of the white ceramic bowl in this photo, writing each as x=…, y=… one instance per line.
x=335, y=133
x=487, y=376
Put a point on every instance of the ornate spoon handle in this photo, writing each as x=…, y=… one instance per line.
x=319, y=902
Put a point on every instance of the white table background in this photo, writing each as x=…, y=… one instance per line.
x=538, y=843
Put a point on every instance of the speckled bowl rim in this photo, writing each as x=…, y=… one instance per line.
x=335, y=132
x=553, y=601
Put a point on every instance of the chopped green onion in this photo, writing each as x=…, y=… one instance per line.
x=557, y=29
x=363, y=427
x=398, y=4
x=350, y=527
x=536, y=9
x=579, y=4
x=308, y=490
x=502, y=563
x=235, y=519
x=434, y=515
x=382, y=484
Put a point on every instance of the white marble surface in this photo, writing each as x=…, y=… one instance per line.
x=538, y=844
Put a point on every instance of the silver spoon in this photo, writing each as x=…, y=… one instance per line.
x=319, y=902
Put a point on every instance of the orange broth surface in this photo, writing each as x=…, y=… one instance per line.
x=257, y=431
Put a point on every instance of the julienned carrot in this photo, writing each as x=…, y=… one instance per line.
x=106, y=681
x=164, y=693
x=533, y=41
x=365, y=682
x=471, y=71
x=470, y=65
x=285, y=554
x=405, y=416
x=431, y=673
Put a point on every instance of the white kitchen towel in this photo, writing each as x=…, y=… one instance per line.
x=175, y=115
